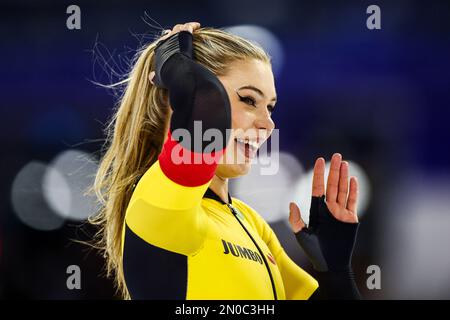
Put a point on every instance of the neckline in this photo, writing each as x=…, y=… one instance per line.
x=212, y=195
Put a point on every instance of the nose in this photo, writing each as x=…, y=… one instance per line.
x=264, y=122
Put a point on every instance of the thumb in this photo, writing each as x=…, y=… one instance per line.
x=295, y=218
x=151, y=76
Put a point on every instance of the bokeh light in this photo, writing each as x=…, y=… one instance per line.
x=269, y=194
x=71, y=173
x=28, y=201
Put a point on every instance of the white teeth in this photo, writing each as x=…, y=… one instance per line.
x=253, y=144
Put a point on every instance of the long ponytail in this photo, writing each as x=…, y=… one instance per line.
x=134, y=138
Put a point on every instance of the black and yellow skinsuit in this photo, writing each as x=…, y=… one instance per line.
x=180, y=240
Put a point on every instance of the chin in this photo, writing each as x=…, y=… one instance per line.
x=243, y=169
x=233, y=170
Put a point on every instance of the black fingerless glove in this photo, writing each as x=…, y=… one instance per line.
x=180, y=42
x=196, y=94
x=329, y=243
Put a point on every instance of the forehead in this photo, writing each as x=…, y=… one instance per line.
x=251, y=72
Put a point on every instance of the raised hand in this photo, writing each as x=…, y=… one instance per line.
x=329, y=239
x=190, y=27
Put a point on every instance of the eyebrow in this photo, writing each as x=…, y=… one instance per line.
x=250, y=87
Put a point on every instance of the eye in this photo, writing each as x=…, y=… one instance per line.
x=252, y=102
x=247, y=100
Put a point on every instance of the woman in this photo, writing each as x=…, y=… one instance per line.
x=177, y=233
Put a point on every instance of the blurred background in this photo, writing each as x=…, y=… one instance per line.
x=380, y=97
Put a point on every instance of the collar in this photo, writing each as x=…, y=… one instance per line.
x=212, y=195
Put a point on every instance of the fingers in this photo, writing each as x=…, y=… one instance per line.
x=333, y=178
x=151, y=76
x=341, y=196
x=194, y=26
x=190, y=27
x=353, y=195
x=343, y=184
x=295, y=218
x=318, y=187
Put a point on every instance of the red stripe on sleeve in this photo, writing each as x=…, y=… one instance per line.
x=186, y=167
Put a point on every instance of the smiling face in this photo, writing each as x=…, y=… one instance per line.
x=251, y=90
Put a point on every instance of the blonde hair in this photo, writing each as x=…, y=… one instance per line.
x=135, y=135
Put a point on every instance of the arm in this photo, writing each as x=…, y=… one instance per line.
x=329, y=239
x=298, y=284
x=336, y=283
x=164, y=209
x=330, y=251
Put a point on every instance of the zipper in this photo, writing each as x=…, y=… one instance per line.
x=235, y=213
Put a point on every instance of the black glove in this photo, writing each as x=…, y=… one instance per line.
x=329, y=243
x=180, y=42
x=195, y=93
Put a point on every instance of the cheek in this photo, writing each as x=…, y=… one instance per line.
x=240, y=118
